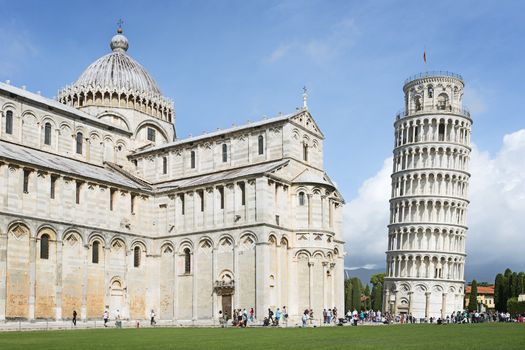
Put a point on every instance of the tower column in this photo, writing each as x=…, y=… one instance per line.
x=443, y=305
x=427, y=304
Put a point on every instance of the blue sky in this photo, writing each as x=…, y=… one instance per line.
x=227, y=62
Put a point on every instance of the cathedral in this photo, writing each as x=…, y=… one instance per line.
x=104, y=208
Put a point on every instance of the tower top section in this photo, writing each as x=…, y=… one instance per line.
x=434, y=92
x=433, y=76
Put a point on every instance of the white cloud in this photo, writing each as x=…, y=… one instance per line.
x=365, y=267
x=366, y=218
x=496, y=236
x=320, y=49
x=278, y=53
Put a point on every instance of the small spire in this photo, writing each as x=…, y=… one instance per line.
x=305, y=98
x=119, y=23
x=119, y=42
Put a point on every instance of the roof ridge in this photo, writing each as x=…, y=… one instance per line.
x=126, y=173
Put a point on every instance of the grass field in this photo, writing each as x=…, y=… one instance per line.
x=449, y=337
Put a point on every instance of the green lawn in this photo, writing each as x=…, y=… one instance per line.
x=420, y=337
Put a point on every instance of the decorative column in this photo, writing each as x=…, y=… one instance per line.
x=386, y=301
x=427, y=304
x=214, y=277
x=59, y=282
x=3, y=274
x=410, y=300
x=325, y=270
x=444, y=306
x=195, y=286
x=309, y=210
x=32, y=277
x=83, y=307
x=311, y=282
x=396, y=301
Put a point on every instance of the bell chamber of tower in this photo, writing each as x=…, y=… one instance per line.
x=429, y=199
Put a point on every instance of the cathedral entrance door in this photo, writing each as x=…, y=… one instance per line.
x=227, y=306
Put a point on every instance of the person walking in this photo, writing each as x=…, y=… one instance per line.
x=252, y=314
x=106, y=318
x=118, y=322
x=221, y=319
x=152, y=321
x=305, y=318
x=75, y=318
x=270, y=315
x=285, y=316
x=277, y=316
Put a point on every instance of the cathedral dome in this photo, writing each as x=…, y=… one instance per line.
x=117, y=76
x=118, y=71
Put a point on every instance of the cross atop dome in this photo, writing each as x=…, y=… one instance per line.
x=119, y=23
x=119, y=42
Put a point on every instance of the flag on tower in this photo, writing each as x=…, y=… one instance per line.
x=425, y=56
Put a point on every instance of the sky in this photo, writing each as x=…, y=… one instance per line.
x=227, y=62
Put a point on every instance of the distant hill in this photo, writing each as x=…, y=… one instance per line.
x=363, y=274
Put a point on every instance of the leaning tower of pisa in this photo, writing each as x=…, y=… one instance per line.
x=429, y=200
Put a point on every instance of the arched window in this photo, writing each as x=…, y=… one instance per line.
x=9, y=122
x=443, y=101
x=94, y=252
x=430, y=91
x=192, y=159
x=151, y=134
x=301, y=198
x=441, y=131
x=417, y=102
x=187, y=261
x=47, y=134
x=44, y=246
x=80, y=141
x=261, y=144
x=224, y=153
x=305, y=152
x=136, y=256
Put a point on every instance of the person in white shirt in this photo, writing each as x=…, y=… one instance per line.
x=106, y=318
x=152, y=321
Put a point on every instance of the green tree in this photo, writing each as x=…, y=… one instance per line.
x=499, y=293
x=348, y=294
x=377, y=280
x=473, y=299
x=514, y=292
x=377, y=297
x=521, y=283
x=356, y=293
x=367, y=304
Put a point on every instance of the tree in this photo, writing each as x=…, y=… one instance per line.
x=499, y=293
x=513, y=285
x=348, y=294
x=515, y=307
x=377, y=280
x=356, y=293
x=367, y=303
x=473, y=299
x=521, y=283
